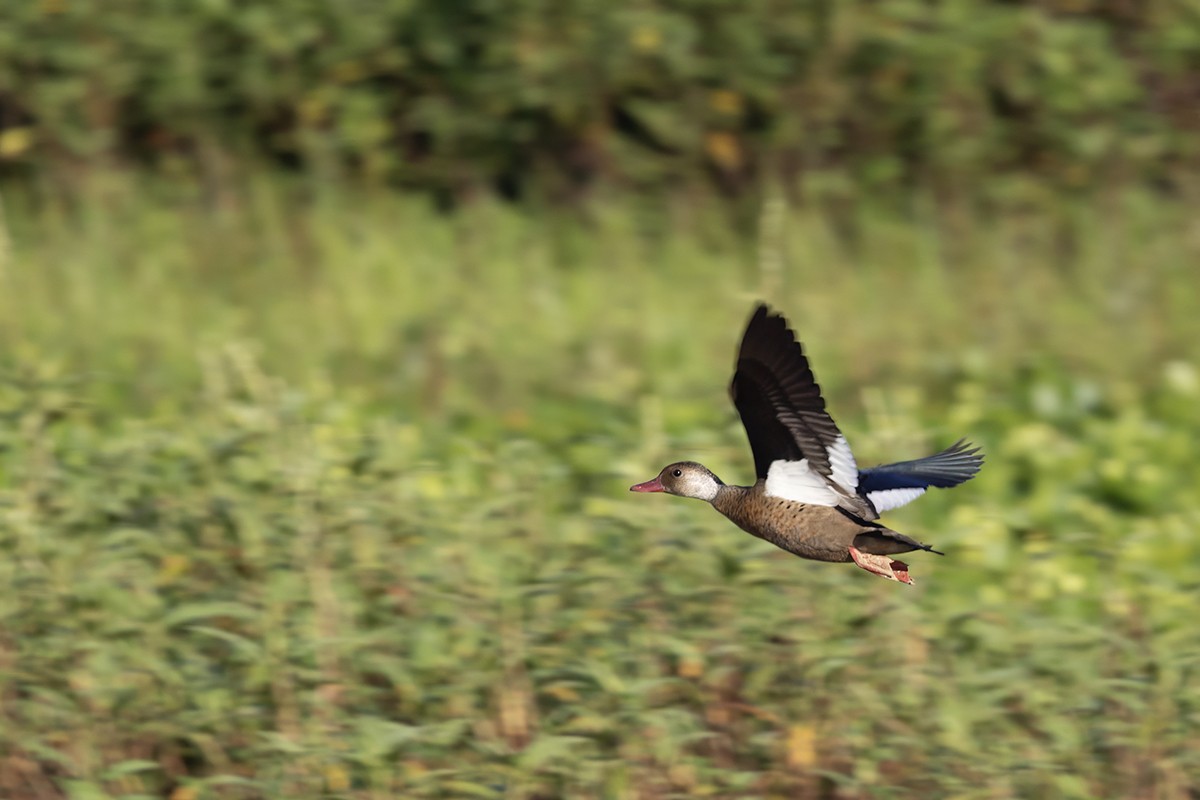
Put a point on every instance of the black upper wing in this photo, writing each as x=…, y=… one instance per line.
x=778, y=398
x=957, y=463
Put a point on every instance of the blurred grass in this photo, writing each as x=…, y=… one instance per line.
x=325, y=495
x=550, y=100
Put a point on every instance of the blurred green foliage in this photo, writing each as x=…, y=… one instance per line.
x=553, y=97
x=329, y=499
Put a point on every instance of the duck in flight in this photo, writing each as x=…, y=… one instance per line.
x=810, y=498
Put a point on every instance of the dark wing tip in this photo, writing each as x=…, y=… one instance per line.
x=966, y=455
x=761, y=339
x=966, y=448
x=770, y=339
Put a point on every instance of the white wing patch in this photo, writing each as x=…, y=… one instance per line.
x=841, y=460
x=796, y=481
x=799, y=482
x=887, y=499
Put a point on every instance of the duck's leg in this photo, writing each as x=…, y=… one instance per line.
x=882, y=566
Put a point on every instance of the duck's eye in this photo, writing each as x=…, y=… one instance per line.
x=678, y=473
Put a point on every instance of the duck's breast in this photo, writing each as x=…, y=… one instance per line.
x=820, y=533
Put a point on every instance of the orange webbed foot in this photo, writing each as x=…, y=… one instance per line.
x=882, y=566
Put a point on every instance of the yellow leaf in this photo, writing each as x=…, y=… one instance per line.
x=336, y=778
x=431, y=486
x=802, y=747
x=646, y=39
x=724, y=101
x=15, y=141
x=313, y=108
x=349, y=71
x=514, y=714
x=682, y=775
x=563, y=693
x=173, y=565
x=723, y=149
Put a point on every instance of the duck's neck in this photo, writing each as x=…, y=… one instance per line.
x=727, y=495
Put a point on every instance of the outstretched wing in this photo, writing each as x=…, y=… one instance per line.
x=889, y=486
x=798, y=449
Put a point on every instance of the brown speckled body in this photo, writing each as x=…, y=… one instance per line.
x=820, y=533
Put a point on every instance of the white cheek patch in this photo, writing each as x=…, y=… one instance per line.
x=887, y=499
x=702, y=487
x=795, y=481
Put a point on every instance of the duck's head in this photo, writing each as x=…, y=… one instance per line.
x=684, y=478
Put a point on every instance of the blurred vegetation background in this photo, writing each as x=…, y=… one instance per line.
x=332, y=335
x=547, y=99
